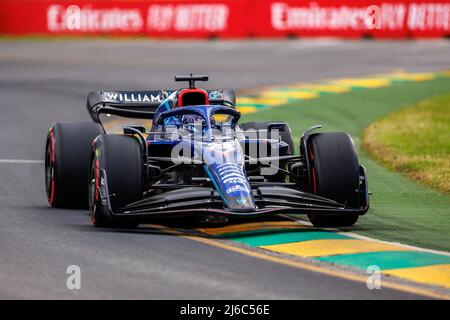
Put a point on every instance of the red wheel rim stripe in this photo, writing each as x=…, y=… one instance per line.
x=52, y=161
x=313, y=171
x=314, y=180
x=97, y=179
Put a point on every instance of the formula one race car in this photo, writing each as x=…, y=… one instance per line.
x=197, y=160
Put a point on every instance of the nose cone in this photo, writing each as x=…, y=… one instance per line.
x=225, y=167
x=230, y=181
x=241, y=204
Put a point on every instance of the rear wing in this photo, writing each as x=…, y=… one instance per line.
x=142, y=104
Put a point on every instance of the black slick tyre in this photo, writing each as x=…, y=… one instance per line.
x=335, y=175
x=120, y=158
x=67, y=161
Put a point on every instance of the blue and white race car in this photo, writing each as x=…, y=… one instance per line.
x=196, y=159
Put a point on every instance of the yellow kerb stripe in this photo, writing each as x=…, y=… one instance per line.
x=268, y=101
x=290, y=94
x=414, y=76
x=247, y=109
x=253, y=226
x=315, y=248
x=366, y=83
x=434, y=275
x=327, y=88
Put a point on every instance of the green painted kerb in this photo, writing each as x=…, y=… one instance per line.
x=279, y=236
x=387, y=259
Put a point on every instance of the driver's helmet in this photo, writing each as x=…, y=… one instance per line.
x=193, y=120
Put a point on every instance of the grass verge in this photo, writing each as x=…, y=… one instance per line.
x=415, y=141
x=401, y=210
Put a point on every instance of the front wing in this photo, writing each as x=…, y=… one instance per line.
x=188, y=201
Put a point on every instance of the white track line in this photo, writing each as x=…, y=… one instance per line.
x=25, y=161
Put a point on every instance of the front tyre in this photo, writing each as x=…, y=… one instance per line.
x=335, y=175
x=120, y=158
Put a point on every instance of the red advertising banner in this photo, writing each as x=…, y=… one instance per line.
x=428, y=18
x=227, y=18
x=193, y=18
x=354, y=18
x=349, y=19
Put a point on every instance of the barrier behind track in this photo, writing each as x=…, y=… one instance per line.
x=227, y=18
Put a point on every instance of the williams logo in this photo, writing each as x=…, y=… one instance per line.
x=132, y=96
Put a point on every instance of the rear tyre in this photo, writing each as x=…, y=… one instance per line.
x=285, y=133
x=67, y=160
x=335, y=175
x=121, y=158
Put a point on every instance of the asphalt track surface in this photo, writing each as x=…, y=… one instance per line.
x=44, y=82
